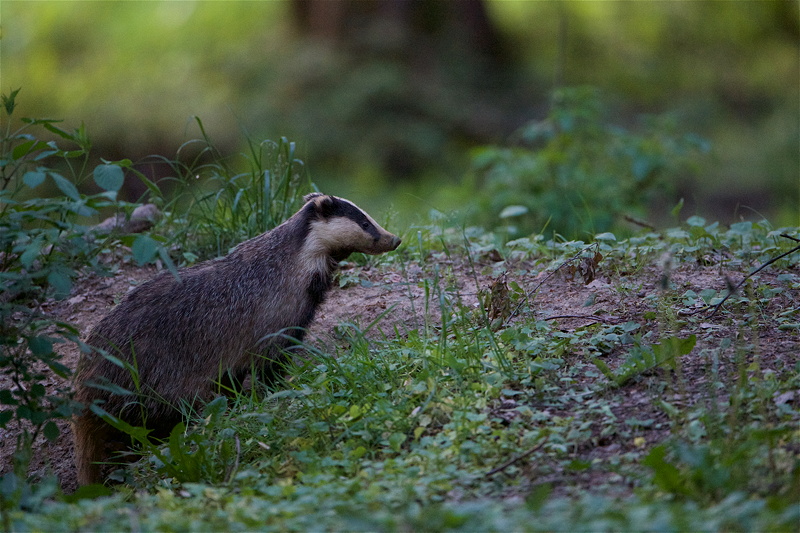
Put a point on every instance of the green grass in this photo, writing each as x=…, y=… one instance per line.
x=479, y=409
x=428, y=426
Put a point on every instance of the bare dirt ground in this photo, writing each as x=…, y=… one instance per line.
x=610, y=298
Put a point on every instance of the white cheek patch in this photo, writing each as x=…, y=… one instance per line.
x=336, y=234
x=340, y=233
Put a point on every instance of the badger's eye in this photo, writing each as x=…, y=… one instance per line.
x=365, y=225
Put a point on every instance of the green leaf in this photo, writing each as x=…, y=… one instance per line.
x=51, y=431
x=82, y=210
x=109, y=177
x=31, y=253
x=176, y=441
x=138, y=433
x=40, y=346
x=396, y=440
x=578, y=465
x=167, y=260
x=358, y=453
x=7, y=398
x=672, y=347
x=59, y=369
x=25, y=148
x=48, y=125
x=44, y=154
x=513, y=211
x=215, y=409
x=60, y=282
x=24, y=412
x=9, y=102
x=87, y=492
x=676, y=211
x=665, y=475
x=707, y=295
x=144, y=249
x=604, y=368
x=34, y=178
x=742, y=228
x=607, y=236
x=66, y=186
x=538, y=496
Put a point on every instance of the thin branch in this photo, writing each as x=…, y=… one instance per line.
x=546, y=278
x=584, y=317
x=638, y=222
x=735, y=289
x=518, y=458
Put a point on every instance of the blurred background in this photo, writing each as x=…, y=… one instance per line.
x=475, y=107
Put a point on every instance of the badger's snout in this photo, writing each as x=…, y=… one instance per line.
x=385, y=243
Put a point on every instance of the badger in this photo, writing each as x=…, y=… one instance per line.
x=184, y=337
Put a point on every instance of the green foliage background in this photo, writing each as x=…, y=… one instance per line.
x=455, y=420
x=599, y=110
x=137, y=72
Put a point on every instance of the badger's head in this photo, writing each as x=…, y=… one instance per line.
x=337, y=227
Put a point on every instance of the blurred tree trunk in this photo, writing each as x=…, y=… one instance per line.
x=349, y=22
x=429, y=73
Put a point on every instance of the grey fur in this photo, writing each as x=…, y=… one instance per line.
x=222, y=319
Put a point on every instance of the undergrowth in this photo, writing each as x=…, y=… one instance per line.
x=503, y=421
x=483, y=410
x=576, y=173
x=51, y=198
x=213, y=202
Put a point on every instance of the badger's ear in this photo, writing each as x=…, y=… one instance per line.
x=326, y=206
x=310, y=196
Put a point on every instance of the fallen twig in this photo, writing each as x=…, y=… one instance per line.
x=638, y=222
x=518, y=458
x=584, y=317
x=530, y=293
x=733, y=289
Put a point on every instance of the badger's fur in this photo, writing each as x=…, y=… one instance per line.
x=214, y=324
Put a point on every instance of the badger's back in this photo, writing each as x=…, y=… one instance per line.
x=221, y=318
x=182, y=335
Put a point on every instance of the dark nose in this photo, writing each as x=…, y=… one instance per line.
x=395, y=242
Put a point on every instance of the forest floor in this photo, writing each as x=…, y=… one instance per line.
x=395, y=296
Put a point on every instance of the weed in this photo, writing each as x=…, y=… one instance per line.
x=43, y=246
x=45, y=243
x=573, y=174
x=644, y=358
x=221, y=201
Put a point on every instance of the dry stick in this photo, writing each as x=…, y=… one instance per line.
x=547, y=277
x=515, y=459
x=736, y=288
x=638, y=222
x=583, y=317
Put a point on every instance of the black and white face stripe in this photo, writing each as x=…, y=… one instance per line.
x=338, y=228
x=345, y=209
